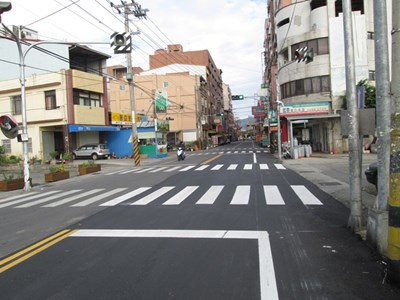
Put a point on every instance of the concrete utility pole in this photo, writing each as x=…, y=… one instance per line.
x=377, y=218
x=394, y=194
x=135, y=9
x=354, y=140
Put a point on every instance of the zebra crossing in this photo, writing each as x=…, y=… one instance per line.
x=185, y=168
x=228, y=151
x=168, y=195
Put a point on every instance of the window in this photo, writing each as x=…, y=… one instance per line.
x=7, y=146
x=166, y=83
x=16, y=104
x=319, y=46
x=371, y=75
x=122, y=87
x=317, y=3
x=306, y=86
x=370, y=35
x=50, y=99
x=283, y=22
x=87, y=98
x=30, y=145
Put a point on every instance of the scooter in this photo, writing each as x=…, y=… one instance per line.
x=180, y=153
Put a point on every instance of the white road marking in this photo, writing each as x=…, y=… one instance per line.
x=26, y=199
x=182, y=195
x=305, y=195
x=186, y=169
x=217, y=167
x=16, y=197
x=72, y=198
x=268, y=287
x=242, y=195
x=254, y=158
x=124, y=197
x=272, y=195
x=201, y=168
x=232, y=167
x=248, y=167
x=172, y=169
x=98, y=197
x=211, y=195
x=153, y=196
x=280, y=167
x=40, y=201
x=264, y=167
x=158, y=170
x=144, y=170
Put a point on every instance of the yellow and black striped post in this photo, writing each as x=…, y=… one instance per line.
x=394, y=202
x=136, y=152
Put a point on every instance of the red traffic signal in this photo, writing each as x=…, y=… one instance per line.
x=9, y=126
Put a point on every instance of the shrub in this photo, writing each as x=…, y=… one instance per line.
x=58, y=168
x=89, y=163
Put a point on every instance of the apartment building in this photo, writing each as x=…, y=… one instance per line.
x=66, y=96
x=311, y=92
x=197, y=106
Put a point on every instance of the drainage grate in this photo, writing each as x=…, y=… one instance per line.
x=330, y=183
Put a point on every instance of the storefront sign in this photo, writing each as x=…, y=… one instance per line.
x=121, y=119
x=298, y=109
x=161, y=101
x=258, y=111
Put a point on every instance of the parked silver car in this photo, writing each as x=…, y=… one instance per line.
x=94, y=151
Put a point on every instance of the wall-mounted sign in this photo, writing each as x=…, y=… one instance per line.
x=161, y=101
x=258, y=111
x=298, y=109
x=121, y=119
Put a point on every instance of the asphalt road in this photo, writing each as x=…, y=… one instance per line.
x=230, y=223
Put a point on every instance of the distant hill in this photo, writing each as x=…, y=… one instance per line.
x=243, y=122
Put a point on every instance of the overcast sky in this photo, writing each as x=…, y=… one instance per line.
x=232, y=30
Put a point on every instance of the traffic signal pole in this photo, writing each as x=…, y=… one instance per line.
x=355, y=219
x=135, y=9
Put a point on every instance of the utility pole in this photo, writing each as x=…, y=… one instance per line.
x=278, y=116
x=378, y=215
x=394, y=193
x=135, y=9
x=354, y=141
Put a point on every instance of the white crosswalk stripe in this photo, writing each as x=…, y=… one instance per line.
x=264, y=167
x=201, y=168
x=153, y=196
x=248, y=167
x=241, y=196
x=271, y=196
x=47, y=199
x=232, y=167
x=99, y=197
x=180, y=196
x=186, y=169
x=211, y=195
x=305, y=195
x=279, y=166
x=125, y=197
x=216, y=167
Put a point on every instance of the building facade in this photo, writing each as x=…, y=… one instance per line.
x=312, y=92
x=66, y=97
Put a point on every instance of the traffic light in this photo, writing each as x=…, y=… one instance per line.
x=304, y=54
x=121, y=42
x=9, y=126
x=237, y=97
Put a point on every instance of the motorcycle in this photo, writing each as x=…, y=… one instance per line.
x=180, y=153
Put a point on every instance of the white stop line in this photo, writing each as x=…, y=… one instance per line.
x=267, y=273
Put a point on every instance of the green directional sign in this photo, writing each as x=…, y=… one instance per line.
x=161, y=101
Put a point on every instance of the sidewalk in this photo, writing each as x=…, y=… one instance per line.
x=330, y=172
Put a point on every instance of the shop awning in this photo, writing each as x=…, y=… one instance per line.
x=81, y=128
x=309, y=117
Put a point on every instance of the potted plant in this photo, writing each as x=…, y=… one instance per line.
x=57, y=172
x=11, y=182
x=88, y=167
x=67, y=157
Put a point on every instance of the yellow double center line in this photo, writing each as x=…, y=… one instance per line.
x=30, y=251
x=211, y=159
